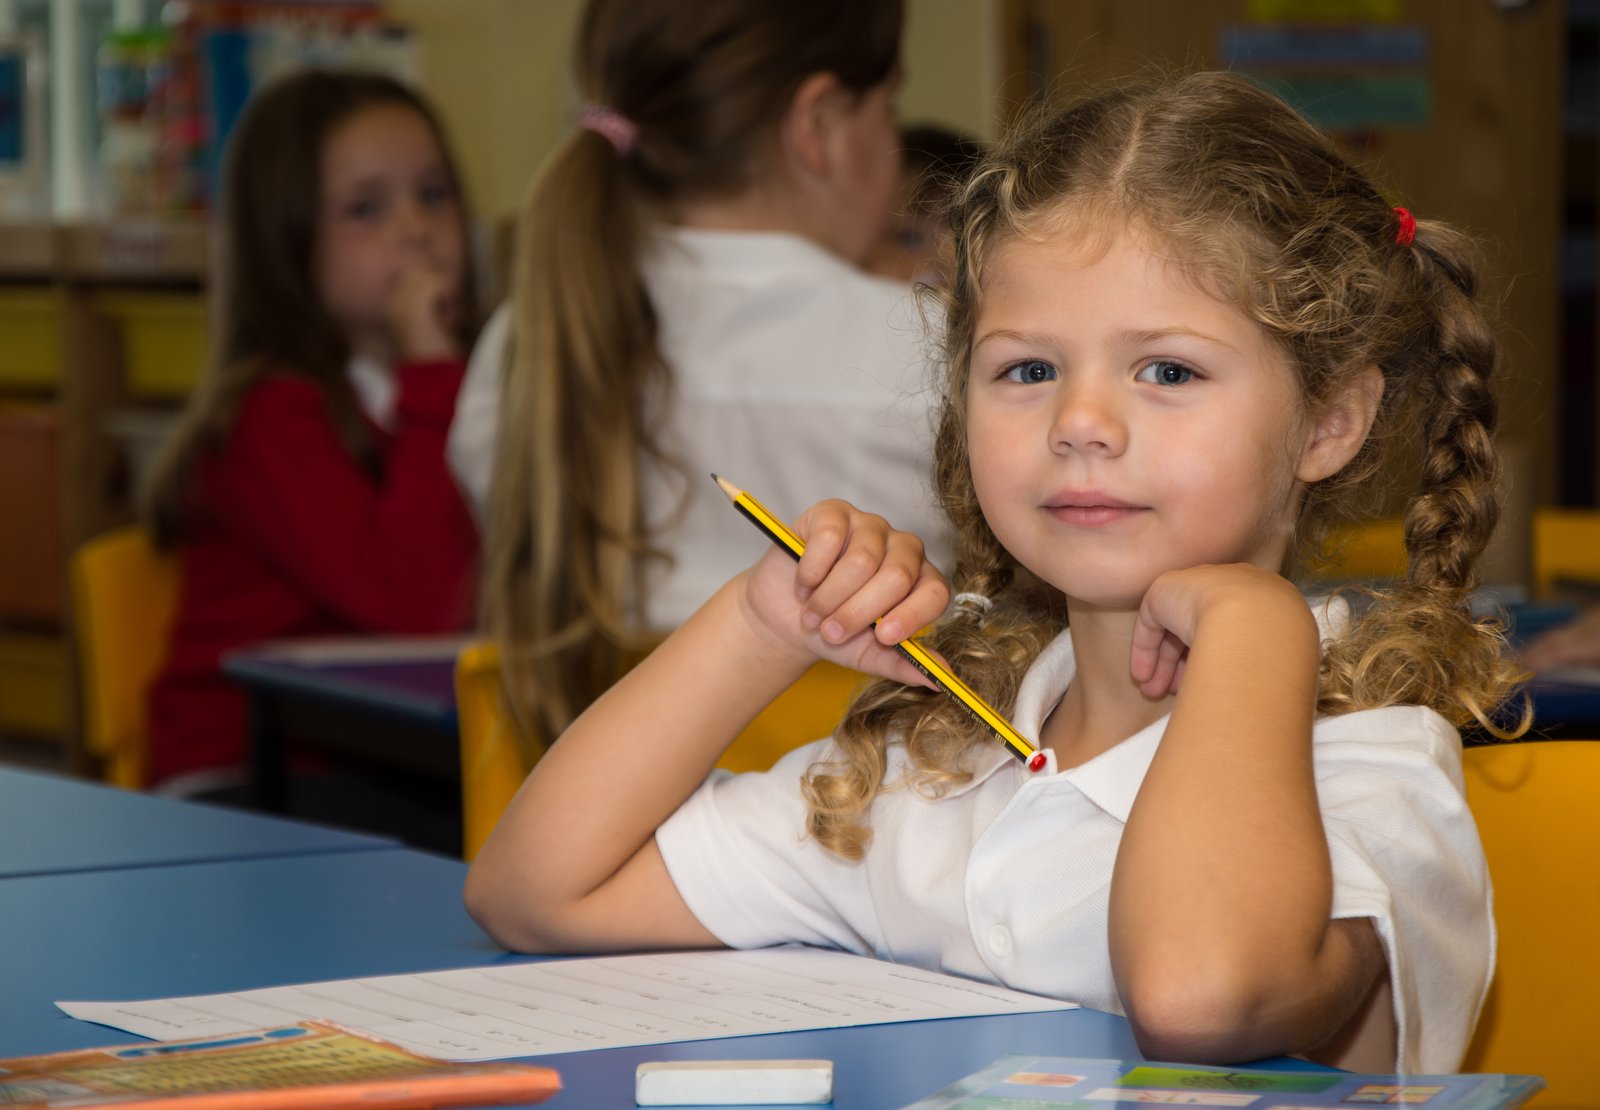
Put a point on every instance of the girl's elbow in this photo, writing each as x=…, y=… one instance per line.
x=510, y=921
x=1199, y=1019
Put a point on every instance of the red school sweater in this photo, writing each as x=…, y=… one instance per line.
x=287, y=536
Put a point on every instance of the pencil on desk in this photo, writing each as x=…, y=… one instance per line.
x=782, y=535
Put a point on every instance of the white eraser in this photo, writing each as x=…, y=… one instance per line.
x=734, y=1082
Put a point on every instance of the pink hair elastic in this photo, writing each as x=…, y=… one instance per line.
x=618, y=129
x=1407, y=231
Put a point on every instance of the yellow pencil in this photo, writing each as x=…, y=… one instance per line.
x=782, y=535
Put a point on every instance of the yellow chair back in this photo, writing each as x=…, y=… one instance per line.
x=124, y=597
x=492, y=763
x=1566, y=546
x=492, y=744
x=1536, y=811
x=806, y=711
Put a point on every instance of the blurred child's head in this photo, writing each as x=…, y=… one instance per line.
x=934, y=161
x=707, y=88
x=1260, y=211
x=334, y=181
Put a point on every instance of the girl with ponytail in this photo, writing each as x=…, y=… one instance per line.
x=687, y=295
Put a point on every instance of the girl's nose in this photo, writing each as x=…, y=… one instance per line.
x=1088, y=420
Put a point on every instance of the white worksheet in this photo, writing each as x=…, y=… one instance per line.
x=489, y=1013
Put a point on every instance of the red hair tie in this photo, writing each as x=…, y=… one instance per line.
x=1407, y=230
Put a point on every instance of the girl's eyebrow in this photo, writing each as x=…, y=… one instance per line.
x=1027, y=338
x=1142, y=337
x=1135, y=338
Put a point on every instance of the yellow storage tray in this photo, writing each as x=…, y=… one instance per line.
x=30, y=355
x=163, y=340
x=33, y=683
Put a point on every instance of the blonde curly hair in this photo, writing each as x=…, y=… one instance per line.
x=1264, y=212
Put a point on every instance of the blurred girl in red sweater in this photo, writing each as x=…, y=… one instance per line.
x=305, y=489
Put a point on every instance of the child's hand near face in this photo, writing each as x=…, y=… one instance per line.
x=1178, y=601
x=422, y=309
x=856, y=569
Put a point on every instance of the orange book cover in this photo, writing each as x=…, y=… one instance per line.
x=314, y=1065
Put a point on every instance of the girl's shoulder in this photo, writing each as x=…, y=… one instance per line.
x=1392, y=743
x=269, y=384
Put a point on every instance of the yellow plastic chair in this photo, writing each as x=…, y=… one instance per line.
x=1536, y=811
x=124, y=596
x=492, y=763
x=492, y=745
x=1373, y=549
x=1566, y=546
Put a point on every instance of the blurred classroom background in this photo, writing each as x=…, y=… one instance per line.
x=112, y=115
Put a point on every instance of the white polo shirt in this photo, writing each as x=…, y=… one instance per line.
x=1007, y=878
x=794, y=375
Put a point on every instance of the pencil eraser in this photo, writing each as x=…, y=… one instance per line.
x=734, y=1083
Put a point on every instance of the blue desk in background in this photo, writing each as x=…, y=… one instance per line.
x=391, y=703
x=51, y=825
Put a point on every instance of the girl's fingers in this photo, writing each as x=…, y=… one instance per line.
x=1168, y=665
x=871, y=579
x=926, y=603
x=826, y=528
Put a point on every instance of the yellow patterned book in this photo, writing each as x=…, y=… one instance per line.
x=314, y=1065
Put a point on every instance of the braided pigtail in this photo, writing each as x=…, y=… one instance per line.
x=1418, y=643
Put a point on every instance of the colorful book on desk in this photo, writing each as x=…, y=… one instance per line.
x=313, y=1065
x=1049, y=1082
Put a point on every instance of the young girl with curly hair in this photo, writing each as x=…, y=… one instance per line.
x=1185, y=335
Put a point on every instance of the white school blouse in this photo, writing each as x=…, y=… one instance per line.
x=1007, y=878
x=795, y=376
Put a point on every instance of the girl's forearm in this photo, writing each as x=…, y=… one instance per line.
x=598, y=795
x=1222, y=890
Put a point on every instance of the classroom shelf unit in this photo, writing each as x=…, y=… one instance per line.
x=102, y=329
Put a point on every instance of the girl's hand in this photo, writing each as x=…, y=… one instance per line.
x=422, y=310
x=856, y=569
x=1170, y=615
x=1572, y=645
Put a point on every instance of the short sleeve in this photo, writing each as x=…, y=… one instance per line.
x=740, y=856
x=1406, y=853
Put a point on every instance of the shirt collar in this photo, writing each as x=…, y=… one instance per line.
x=374, y=387
x=1111, y=780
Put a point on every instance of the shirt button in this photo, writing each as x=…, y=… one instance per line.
x=1000, y=940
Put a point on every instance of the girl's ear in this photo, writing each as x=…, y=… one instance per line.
x=1341, y=427
x=807, y=128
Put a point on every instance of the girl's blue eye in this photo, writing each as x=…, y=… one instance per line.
x=1031, y=371
x=1164, y=372
x=361, y=209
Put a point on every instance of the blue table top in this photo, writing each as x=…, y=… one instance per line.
x=50, y=824
x=210, y=927
x=207, y=928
